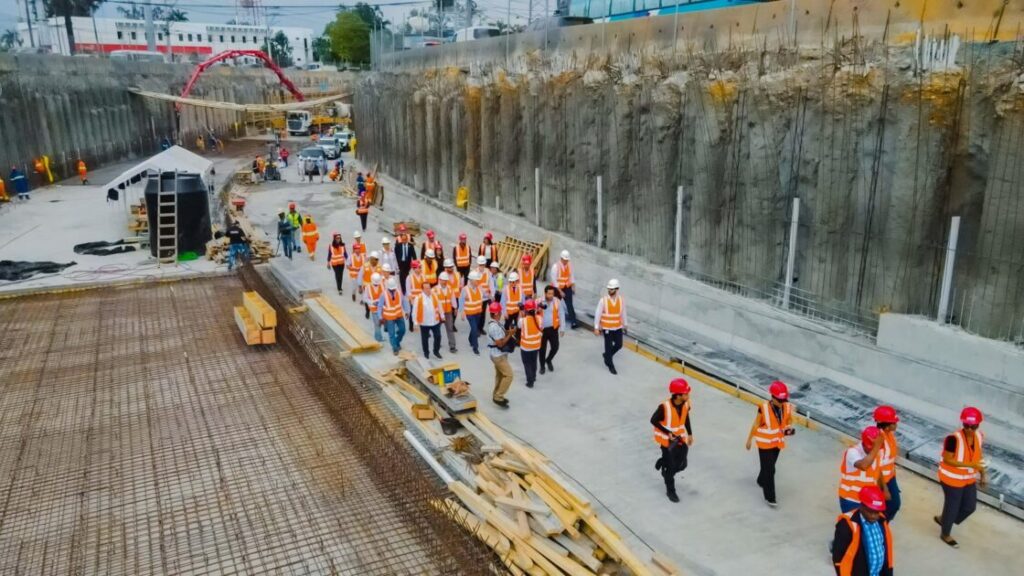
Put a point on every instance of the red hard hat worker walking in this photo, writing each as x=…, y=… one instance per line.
x=961, y=469
x=860, y=468
x=886, y=420
x=863, y=543
x=772, y=423
x=673, y=433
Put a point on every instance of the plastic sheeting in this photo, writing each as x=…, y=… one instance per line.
x=13, y=270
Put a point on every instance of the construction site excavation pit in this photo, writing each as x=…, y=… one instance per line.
x=140, y=435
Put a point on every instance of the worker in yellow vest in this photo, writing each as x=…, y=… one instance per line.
x=610, y=320
x=530, y=333
x=462, y=255
x=526, y=277
x=886, y=419
x=961, y=470
x=310, y=236
x=429, y=314
x=449, y=302
x=772, y=423
x=371, y=299
x=295, y=220
x=863, y=544
x=674, y=434
x=83, y=172
x=860, y=467
x=336, y=255
x=471, y=302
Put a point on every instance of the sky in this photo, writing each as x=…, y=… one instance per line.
x=308, y=13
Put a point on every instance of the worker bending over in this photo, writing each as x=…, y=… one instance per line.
x=772, y=423
x=562, y=277
x=863, y=544
x=610, y=320
x=961, y=469
x=336, y=256
x=886, y=419
x=674, y=434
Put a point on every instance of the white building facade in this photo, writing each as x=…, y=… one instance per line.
x=187, y=41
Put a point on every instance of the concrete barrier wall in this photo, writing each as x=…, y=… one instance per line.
x=70, y=108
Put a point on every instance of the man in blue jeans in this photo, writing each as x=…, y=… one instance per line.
x=237, y=243
x=393, y=308
x=284, y=234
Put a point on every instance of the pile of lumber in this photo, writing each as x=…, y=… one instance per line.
x=354, y=337
x=138, y=221
x=511, y=251
x=259, y=243
x=514, y=500
x=256, y=320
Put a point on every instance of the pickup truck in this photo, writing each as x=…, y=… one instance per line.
x=331, y=146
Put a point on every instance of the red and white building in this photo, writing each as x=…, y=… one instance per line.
x=185, y=40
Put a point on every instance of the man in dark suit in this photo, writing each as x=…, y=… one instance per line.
x=405, y=253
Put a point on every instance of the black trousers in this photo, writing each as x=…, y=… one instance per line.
x=674, y=460
x=612, y=344
x=511, y=320
x=766, y=478
x=425, y=333
x=339, y=275
x=530, y=364
x=570, y=310
x=464, y=272
x=958, y=505
x=548, y=338
x=403, y=273
x=362, y=220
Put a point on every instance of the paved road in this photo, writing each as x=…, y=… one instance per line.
x=595, y=427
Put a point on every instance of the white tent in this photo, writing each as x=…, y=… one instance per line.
x=173, y=159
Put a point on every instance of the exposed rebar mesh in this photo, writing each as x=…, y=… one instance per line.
x=140, y=435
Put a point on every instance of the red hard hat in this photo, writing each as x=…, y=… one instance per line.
x=489, y=236
x=291, y=204
x=886, y=415
x=873, y=498
x=869, y=435
x=779, y=390
x=494, y=308
x=462, y=236
x=401, y=227
x=430, y=233
x=971, y=416
x=415, y=263
x=679, y=386
x=337, y=235
x=527, y=259
x=530, y=304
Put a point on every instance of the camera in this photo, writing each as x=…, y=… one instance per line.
x=543, y=305
x=789, y=432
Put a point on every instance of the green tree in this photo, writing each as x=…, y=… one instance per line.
x=350, y=38
x=280, y=50
x=372, y=15
x=322, y=49
x=67, y=9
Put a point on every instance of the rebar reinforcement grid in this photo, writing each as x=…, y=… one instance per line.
x=140, y=435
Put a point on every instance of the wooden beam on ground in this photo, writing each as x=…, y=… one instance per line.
x=363, y=342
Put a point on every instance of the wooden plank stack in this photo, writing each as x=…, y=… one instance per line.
x=352, y=334
x=256, y=320
x=511, y=251
x=259, y=243
x=138, y=222
x=511, y=497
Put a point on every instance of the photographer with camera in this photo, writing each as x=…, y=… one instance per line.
x=500, y=342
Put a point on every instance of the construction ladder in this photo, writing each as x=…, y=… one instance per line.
x=167, y=220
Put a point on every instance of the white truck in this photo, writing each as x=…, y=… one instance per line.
x=299, y=122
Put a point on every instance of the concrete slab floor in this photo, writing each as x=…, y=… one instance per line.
x=595, y=427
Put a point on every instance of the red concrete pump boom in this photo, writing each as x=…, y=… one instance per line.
x=203, y=66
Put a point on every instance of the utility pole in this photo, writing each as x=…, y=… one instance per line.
x=28, y=18
x=150, y=30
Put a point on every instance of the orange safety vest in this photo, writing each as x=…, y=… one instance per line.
x=430, y=271
x=526, y=281
x=444, y=292
x=485, y=284
x=359, y=247
x=417, y=285
x=675, y=422
x=473, y=300
x=392, y=305
x=39, y=166
x=960, y=476
x=769, y=434
x=373, y=294
x=488, y=250
x=462, y=256
x=363, y=206
x=356, y=262
x=513, y=298
x=337, y=255
x=530, y=334
x=368, y=271
x=611, y=316
x=564, y=275
x=555, y=321
x=81, y=168
x=852, y=481
x=419, y=307
x=845, y=566
x=371, y=187
x=887, y=455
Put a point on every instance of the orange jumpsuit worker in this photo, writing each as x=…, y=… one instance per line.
x=310, y=236
x=772, y=423
x=3, y=192
x=371, y=188
x=83, y=172
x=961, y=469
x=672, y=431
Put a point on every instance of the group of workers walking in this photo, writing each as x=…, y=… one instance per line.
x=18, y=179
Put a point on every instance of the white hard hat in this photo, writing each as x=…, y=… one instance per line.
x=449, y=263
x=375, y=279
x=513, y=276
x=612, y=284
x=474, y=275
x=392, y=283
x=357, y=234
x=565, y=254
x=494, y=264
x=385, y=240
x=375, y=254
x=481, y=260
x=386, y=267
x=430, y=254
x=443, y=277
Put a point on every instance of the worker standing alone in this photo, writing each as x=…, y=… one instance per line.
x=610, y=321
x=863, y=543
x=363, y=210
x=886, y=419
x=83, y=172
x=961, y=469
x=310, y=236
x=336, y=255
x=772, y=423
x=674, y=434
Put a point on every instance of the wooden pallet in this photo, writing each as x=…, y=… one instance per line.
x=511, y=251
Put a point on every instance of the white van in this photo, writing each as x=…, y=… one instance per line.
x=476, y=33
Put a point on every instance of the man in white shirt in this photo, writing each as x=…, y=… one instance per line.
x=387, y=254
x=497, y=337
x=562, y=277
x=428, y=312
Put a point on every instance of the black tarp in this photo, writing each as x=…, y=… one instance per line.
x=12, y=270
x=103, y=248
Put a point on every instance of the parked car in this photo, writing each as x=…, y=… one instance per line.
x=314, y=152
x=475, y=33
x=344, y=137
x=558, y=22
x=330, y=145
